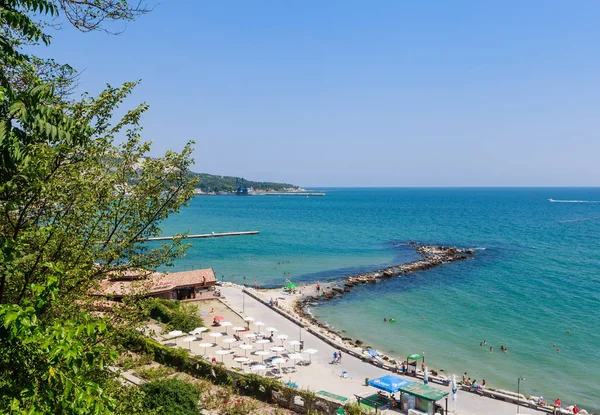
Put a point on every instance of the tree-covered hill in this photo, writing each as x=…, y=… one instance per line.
x=210, y=183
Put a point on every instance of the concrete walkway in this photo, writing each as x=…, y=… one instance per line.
x=322, y=375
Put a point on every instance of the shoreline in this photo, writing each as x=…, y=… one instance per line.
x=297, y=307
x=432, y=256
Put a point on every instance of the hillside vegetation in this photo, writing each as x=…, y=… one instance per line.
x=222, y=184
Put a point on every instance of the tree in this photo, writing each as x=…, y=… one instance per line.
x=171, y=397
x=74, y=208
x=50, y=366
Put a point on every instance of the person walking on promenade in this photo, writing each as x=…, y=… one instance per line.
x=339, y=356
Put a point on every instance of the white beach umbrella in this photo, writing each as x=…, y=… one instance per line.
x=282, y=337
x=237, y=328
x=257, y=368
x=249, y=319
x=215, y=334
x=206, y=345
x=263, y=342
x=426, y=376
x=310, y=352
x=222, y=353
x=241, y=360
x=198, y=330
x=278, y=348
x=294, y=357
x=226, y=324
x=189, y=340
x=259, y=323
x=294, y=343
x=245, y=348
x=175, y=333
x=278, y=361
x=271, y=329
x=229, y=340
x=262, y=353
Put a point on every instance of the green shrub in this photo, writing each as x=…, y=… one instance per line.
x=353, y=409
x=171, y=397
x=185, y=318
x=175, y=314
x=154, y=373
x=128, y=362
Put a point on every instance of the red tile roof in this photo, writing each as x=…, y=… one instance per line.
x=157, y=283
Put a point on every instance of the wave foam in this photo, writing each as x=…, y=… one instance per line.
x=579, y=220
x=573, y=201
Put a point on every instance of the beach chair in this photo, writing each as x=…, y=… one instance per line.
x=344, y=374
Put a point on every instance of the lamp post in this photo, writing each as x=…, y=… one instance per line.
x=519, y=394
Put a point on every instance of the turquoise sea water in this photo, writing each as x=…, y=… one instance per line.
x=536, y=275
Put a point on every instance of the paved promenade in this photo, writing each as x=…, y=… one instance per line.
x=322, y=375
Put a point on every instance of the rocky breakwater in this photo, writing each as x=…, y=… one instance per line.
x=432, y=256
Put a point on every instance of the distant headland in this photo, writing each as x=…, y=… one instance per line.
x=210, y=184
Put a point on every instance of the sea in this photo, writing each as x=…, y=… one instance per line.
x=533, y=285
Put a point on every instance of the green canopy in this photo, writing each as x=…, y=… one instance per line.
x=424, y=392
x=415, y=356
x=290, y=285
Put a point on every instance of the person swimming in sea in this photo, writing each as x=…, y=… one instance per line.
x=384, y=319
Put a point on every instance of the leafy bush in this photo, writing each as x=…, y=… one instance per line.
x=175, y=314
x=185, y=318
x=171, y=397
x=241, y=406
x=154, y=373
x=128, y=362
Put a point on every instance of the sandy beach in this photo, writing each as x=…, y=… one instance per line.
x=345, y=379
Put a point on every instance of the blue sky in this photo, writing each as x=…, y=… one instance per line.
x=362, y=93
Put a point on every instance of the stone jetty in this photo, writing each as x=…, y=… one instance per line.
x=432, y=256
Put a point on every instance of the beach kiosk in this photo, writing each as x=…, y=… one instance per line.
x=412, y=362
x=390, y=384
x=419, y=399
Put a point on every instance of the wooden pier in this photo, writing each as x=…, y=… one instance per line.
x=204, y=235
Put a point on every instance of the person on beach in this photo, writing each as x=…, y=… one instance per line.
x=483, y=384
x=464, y=376
x=335, y=357
x=318, y=286
x=556, y=405
x=474, y=384
x=468, y=382
x=575, y=409
x=339, y=356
